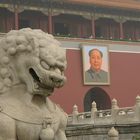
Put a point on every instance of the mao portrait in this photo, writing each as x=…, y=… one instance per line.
x=95, y=65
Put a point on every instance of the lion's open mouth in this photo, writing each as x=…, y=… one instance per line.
x=38, y=85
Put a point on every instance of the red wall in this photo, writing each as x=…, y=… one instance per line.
x=124, y=86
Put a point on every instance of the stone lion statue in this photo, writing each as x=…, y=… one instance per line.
x=32, y=64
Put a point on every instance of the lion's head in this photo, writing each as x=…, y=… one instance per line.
x=33, y=58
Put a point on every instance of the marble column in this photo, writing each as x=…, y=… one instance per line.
x=93, y=27
x=121, y=21
x=16, y=18
x=16, y=9
x=121, y=30
x=50, y=22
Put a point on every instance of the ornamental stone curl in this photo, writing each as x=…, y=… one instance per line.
x=32, y=64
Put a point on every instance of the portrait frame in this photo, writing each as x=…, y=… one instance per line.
x=91, y=77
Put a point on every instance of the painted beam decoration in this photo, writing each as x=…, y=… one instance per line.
x=95, y=64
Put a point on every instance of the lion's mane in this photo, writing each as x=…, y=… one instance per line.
x=17, y=42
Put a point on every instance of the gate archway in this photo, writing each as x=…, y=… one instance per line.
x=98, y=95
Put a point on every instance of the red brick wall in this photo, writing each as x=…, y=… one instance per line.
x=124, y=86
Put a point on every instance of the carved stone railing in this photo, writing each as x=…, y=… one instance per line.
x=115, y=115
x=112, y=124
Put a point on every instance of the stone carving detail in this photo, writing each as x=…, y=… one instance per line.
x=91, y=16
x=120, y=19
x=53, y=12
x=32, y=64
x=17, y=8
